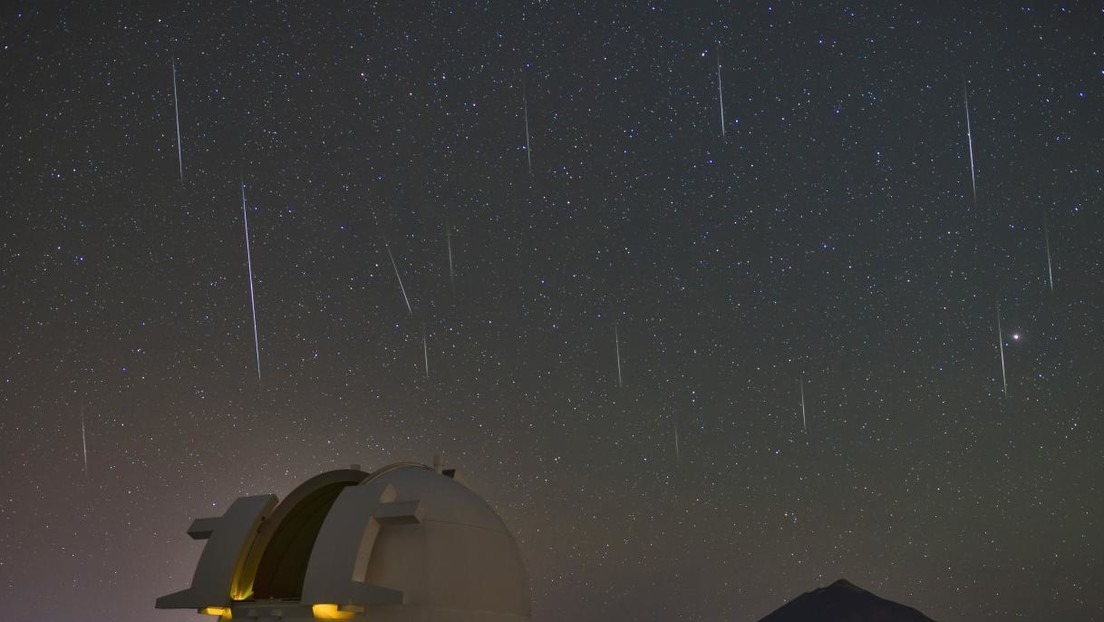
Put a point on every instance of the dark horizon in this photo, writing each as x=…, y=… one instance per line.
x=843, y=601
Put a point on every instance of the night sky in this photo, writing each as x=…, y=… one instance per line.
x=825, y=239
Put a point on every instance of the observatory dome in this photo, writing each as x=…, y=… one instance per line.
x=406, y=542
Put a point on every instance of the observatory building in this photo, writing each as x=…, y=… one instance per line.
x=404, y=543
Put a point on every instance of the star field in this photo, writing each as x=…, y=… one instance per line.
x=829, y=241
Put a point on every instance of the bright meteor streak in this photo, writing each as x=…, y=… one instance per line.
x=1000, y=344
x=252, y=295
x=398, y=278
x=801, y=386
x=720, y=90
x=176, y=110
x=677, y=459
x=970, y=142
x=1046, y=239
x=425, y=351
x=84, y=443
x=525, y=109
x=617, y=349
x=448, y=243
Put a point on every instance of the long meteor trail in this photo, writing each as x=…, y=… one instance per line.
x=1000, y=343
x=1046, y=239
x=801, y=387
x=398, y=278
x=252, y=294
x=970, y=142
x=617, y=349
x=425, y=351
x=176, y=110
x=677, y=459
x=84, y=443
x=720, y=90
x=448, y=243
x=525, y=110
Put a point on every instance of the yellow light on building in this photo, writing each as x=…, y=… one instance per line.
x=328, y=611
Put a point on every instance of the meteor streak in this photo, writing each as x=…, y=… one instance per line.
x=425, y=351
x=1000, y=343
x=448, y=243
x=677, y=460
x=801, y=386
x=1046, y=238
x=525, y=109
x=84, y=443
x=970, y=142
x=617, y=348
x=252, y=295
x=720, y=90
x=399, y=279
x=176, y=109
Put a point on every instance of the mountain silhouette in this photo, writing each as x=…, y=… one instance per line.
x=844, y=602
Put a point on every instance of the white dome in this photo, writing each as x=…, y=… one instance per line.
x=405, y=543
